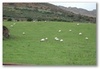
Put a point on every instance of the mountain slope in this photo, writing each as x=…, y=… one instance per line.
x=80, y=11
x=41, y=11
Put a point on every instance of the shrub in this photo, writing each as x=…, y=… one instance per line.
x=10, y=19
x=29, y=19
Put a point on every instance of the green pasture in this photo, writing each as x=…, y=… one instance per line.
x=28, y=49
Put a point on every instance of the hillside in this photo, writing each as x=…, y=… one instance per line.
x=80, y=11
x=41, y=12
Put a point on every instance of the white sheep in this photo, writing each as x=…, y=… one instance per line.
x=23, y=33
x=70, y=30
x=42, y=39
x=11, y=25
x=80, y=33
x=77, y=23
x=86, y=38
x=61, y=40
x=56, y=38
x=59, y=31
x=46, y=38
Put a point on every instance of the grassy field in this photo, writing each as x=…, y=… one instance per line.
x=28, y=49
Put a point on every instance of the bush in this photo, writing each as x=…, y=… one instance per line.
x=29, y=19
x=9, y=19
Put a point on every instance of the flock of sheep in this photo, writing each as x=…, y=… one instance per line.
x=61, y=40
x=43, y=39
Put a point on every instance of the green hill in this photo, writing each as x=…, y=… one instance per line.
x=41, y=12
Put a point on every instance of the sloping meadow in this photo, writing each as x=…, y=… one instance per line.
x=34, y=43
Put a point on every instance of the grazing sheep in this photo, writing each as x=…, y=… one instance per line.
x=61, y=40
x=80, y=33
x=86, y=38
x=11, y=25
x=70, y=30
x=59, y=31
x=46, y=38
x=42, y=39
x=23, y=33
x=77, y=23
x=5, y=32
x=56, y=38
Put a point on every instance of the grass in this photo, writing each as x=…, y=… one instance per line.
x=27, y=49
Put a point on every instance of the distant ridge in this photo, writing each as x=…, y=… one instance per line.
x=46, y=11
x=80, y=11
